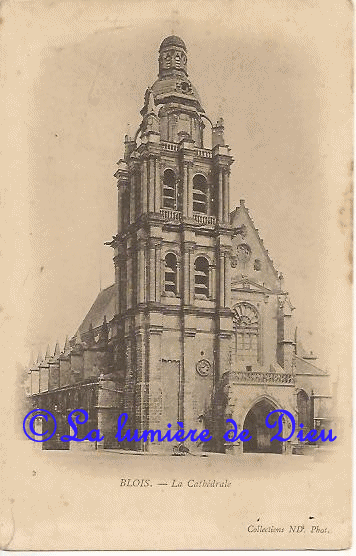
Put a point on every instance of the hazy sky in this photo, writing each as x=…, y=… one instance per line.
x=279, y=73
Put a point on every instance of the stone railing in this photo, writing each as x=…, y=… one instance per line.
x=169, y=214
x=166, y=146
x=173, y=147
x=205, y=153
x=259, y=377
x=204, y=219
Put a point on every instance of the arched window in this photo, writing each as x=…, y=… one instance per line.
x=170, y=273
x=304, y=410
x=169, y=189
x=167, y=59
x=246, y=325
x=201, y=275
x=200, y=190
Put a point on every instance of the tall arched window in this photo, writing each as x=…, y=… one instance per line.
x=246, y=325
x=170, y=273
x=200, y=190
x=201, y=276
x=304, y=410
x=169, y=189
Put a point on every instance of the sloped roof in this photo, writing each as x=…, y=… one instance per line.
x=172, y=40
x=306, y=367
x=169, y=89
x=104, y=305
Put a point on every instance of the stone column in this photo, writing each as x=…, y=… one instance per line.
x=158, y=187
x=286, y=334
x=220, y=195
x=213, y=282
x=185, y=190
x=226, y=200
x=132, y=199
x=121, y=278
x=141, y=272
x=227, y=280
x=129, y=287
x=119, y=210
x=158, y=272
x=179, y=270
x=187, y=151
x=144, y=185
x=191, y=275
x=130, y=378
x=189, y=170
x=117, y=282
x=152, y=273
x=151, y=189
x=122, y=176
x=221, y=280
x=140, y=384
x=186, y=274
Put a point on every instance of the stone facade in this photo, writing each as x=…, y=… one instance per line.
x=197, y=327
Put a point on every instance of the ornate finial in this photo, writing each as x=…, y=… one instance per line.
x=150, y=123
x=39, y=358
x=151, y=108
x=104, y=332
x=56, y=350
x=48, y=353
x=173, y=21
x=78, y=338
x=218, y=133
x=66, y=348
x=91, y=337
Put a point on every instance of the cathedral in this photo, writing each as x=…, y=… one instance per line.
x=197, y=327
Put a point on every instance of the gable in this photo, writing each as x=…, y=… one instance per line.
x=250, y=259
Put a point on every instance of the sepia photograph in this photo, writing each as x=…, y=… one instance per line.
x=177, y=249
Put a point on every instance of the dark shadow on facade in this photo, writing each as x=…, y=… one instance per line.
x=255, y=422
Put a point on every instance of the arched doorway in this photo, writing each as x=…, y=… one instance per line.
x=255, y=423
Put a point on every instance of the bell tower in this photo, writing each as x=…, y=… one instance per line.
x=172, y=256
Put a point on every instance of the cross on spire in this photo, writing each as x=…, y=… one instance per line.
x=174, y=21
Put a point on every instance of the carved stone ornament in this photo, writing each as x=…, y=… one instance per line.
x=184, y=87
x=203, y=367
x=243, y=253
x=240, y=230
